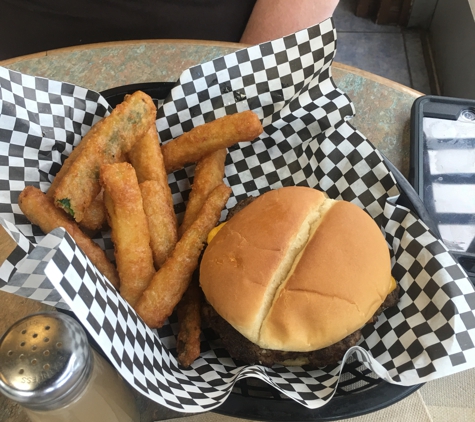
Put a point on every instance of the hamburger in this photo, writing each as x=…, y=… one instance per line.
x=293, y=276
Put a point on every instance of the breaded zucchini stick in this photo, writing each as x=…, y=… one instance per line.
x=147, y=159
x=189, y=324
x=95, y=216
x=107, y=143
x=69, y=162
x=129, y=229
x=172, y=279
x=205, y=139
x=161, y=220
x=40, y=210
x=209, y=173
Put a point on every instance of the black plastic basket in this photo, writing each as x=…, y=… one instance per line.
x=359, y=391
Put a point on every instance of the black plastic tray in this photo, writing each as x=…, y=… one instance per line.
x=443, y=108
x=359, y=391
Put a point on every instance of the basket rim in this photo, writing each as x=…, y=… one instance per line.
x=341, y=406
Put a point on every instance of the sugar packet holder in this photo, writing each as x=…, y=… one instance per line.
x=307, y=141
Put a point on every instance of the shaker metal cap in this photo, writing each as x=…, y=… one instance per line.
x=45, y=361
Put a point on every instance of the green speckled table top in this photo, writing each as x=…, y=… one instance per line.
x=382, y=106
x=382, y=115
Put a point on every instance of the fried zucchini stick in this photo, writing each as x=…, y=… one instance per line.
x=209, y=173
x=161, y=220
x=95, y=216
x=147, y=159
x=111, y=139
x=189, y=324
x=172, y=279
x=68, y=163
x=205, y=139
x=40, y=210
x=129, y=229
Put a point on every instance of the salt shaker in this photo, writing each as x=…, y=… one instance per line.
x=49, y=368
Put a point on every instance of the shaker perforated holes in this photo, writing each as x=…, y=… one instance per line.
x=29, y=346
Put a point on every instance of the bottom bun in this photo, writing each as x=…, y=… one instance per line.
x=241, y=349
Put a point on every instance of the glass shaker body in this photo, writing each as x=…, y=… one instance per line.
x=48, y=367
x=94, y=403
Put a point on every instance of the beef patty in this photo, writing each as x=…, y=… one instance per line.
x=240, y=348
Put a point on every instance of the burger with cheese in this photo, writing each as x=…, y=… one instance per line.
x=293, y=277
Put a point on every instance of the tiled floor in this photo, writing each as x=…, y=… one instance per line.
x=390, y=51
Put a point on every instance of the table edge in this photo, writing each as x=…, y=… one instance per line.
x=337, y=65
x=378, y=79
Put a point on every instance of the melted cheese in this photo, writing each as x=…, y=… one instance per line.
x=393, y=285
x=214, y=232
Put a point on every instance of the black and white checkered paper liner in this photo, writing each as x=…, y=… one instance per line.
x=306, y=141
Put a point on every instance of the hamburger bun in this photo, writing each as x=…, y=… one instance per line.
x=297, y=271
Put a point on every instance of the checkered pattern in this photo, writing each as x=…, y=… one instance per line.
x=40, y=122
x=307, y=141
x=75, y=332
x=27, y=277
x=22, y=249
x=417, y=340
x=287, y=83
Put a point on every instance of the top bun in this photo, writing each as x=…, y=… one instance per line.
x=296, y=271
